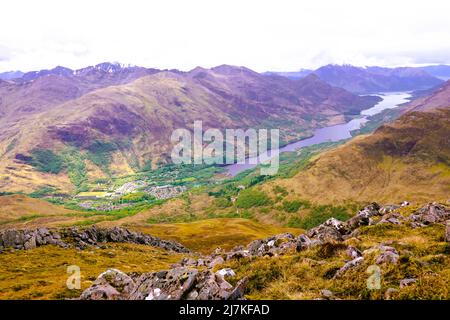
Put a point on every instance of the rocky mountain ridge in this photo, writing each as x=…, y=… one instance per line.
x=80, y=238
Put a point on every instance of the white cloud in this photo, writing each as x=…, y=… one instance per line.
x=260, y=34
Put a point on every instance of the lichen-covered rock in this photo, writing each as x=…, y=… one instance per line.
x=110, y=285
x=349, y=265
x=353, y=252
x=407, y=282
x=363, y=217
x=388, y=255
x=164, y=285
x=174, y=284
x=431, y=213
x=226, y=272
x=80, y=238
x=327, y=294
x=388, y=209
x=393, y=218
x=325, y=232
x=216, y=261
x=275, y=245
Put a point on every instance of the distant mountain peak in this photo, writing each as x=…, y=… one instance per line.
x=230, y=69
x=113, y=66
x=363, y=80
x=8, y=75
x=108, y=67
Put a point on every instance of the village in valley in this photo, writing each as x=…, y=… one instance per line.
x=149, y=187
x=139, y=190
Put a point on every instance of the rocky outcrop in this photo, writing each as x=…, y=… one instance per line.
x=332, y=230
x=112, y=284
x=174, y=284
x=81, y=238
x=431, y=213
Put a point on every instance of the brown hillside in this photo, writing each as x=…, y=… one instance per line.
x=406, y=160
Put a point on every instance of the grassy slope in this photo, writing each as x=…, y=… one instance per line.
x=26, y=275
x=206, y=235
x=408, y=159
x=20, y=209
x=423, y=255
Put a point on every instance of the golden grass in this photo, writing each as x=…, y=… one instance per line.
x=17, y=177
x=41, y=273
x=423, y=255
x=206, y=235
x=16, y=206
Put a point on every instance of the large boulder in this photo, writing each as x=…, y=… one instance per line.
x=363, y=217
x=431, y=213
x=110, y=285
x=173, y=284
x=13, y=238
x=326, y=232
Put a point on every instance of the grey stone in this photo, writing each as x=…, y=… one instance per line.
x=353, y=252
x=327, y=294
x=226, y=272
x=389, y=292
x=349, y=265
x=110, y=285
x=407, y=282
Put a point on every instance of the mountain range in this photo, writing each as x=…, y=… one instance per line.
x=363, y=80
x=117, y=119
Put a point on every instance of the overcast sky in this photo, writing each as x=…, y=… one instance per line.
x=262, y=35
